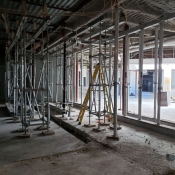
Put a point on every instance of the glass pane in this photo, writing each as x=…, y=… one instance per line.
x=133, y=93
x=168, y=93
x=148, y=93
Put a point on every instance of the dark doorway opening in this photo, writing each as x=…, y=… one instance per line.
x=147, y=83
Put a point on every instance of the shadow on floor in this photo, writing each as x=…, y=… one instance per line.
x=4, y=112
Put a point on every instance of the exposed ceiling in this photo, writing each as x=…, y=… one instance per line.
x=70, y=20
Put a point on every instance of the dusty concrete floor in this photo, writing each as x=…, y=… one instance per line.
x=138, y=152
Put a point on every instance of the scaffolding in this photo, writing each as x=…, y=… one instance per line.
x=100, y=84
x=22, y=91
x=64, y=66
x=59, y=81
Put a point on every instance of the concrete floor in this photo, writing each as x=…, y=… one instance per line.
x=13, y=148
x=143, y=147
x=139, y=152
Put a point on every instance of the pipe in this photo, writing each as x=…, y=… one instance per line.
x=160, y=71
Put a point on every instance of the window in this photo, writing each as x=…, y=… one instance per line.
x=173, y=79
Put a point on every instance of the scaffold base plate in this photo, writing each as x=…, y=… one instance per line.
x=15, y=118
x=89, y=126
x=42, y=128
x=65, y=118
x=99, y=129
x=104, y=124
x=25, y=135
x=50, y=132
x=21, y=130
x=118, y=127
x=14, y=121
x=113, y=137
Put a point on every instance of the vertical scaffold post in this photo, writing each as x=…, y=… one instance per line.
x=90, y=77
x=81, y=77
x=126, y=75
x=141, y=40
x=48, y=93
x=116, y=67
x=64, y=80
x=155, y=73
x=160, y=72
x=99, y=79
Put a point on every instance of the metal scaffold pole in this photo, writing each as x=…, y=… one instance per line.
x=48, y=106
x=160, y=72
x=126, y=75
x=99, y=79
x=110, y=74
x=116, y=53
x=116, y=68
x=90, y=79
x=74, y=80
x=81, y=77
x=141, y=41
x=59, y=73
x=155, y=72
x=64, y=80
